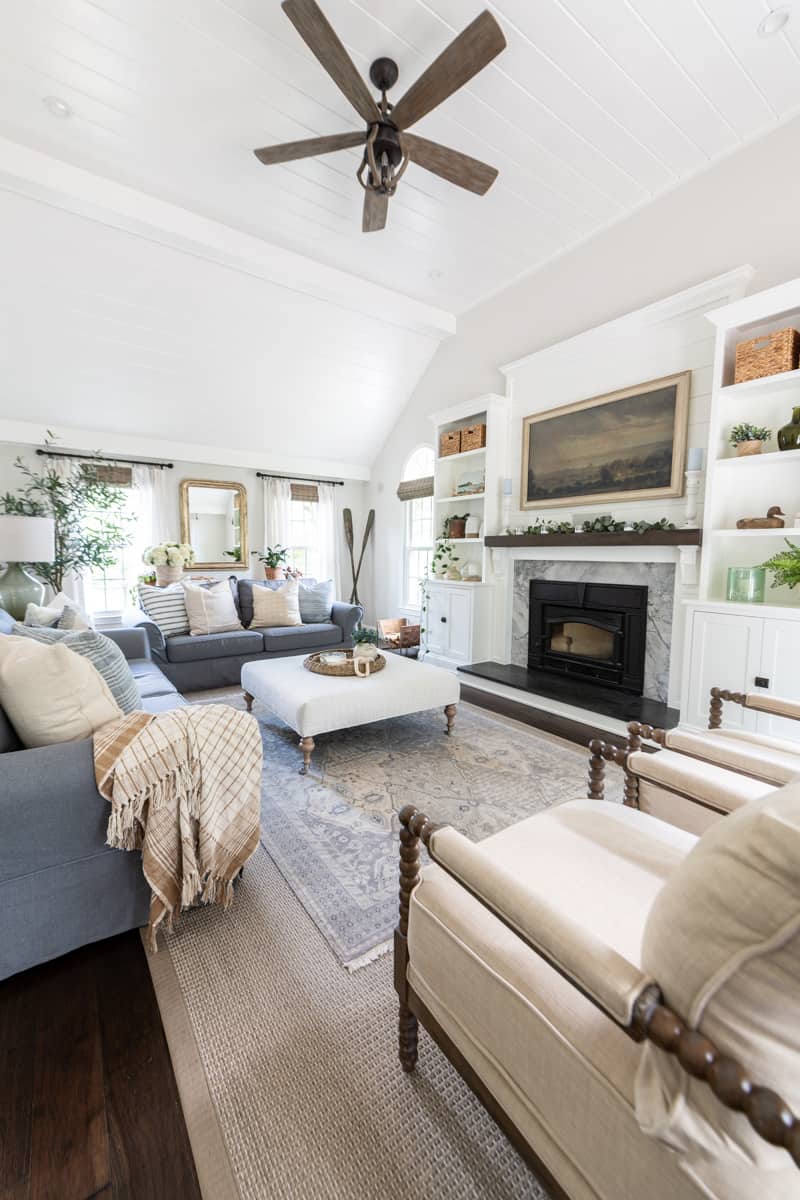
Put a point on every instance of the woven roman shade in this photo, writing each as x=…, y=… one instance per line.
x=305, y=491
x=415, y=489
x=101, y=473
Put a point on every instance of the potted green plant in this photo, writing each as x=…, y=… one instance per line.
x=365, y=642
x=455, y=526
x=170, y=560
x=785, y=566
x=274, y=559
x=444, y=559
x=748, y=439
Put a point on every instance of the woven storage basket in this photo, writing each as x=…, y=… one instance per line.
x=449, y=443
x=473, y=437
x=314, y=663
x=767, y=355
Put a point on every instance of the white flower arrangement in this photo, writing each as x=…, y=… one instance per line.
x=169, y=554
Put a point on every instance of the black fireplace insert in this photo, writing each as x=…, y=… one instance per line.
x=594, y=631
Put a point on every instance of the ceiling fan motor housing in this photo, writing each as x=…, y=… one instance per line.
x=384, y=74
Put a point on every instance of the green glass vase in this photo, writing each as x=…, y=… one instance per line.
x=789, y=436
x=18, y=589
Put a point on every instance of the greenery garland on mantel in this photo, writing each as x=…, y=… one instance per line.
x=604, y=524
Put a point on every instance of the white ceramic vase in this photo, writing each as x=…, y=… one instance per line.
x=365, y=650
x=166, y=575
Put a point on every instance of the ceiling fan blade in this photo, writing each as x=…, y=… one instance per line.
x=466, y=55
x=376, y=210
x=288, y=151
x=457, y=168
x=319, y=35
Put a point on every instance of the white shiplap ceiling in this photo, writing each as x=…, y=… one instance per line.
x=595, y=107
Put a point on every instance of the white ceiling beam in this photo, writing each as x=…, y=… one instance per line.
x=52, y=181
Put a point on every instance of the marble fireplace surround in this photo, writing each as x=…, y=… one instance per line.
x=657, y=577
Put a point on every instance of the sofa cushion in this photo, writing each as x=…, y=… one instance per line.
x=159, y=704
x=275, y=608
x=210, y=607
x=723, y=940
x=152, y=681
x=166, y=607
x=61, y=612
x=316, y=600
x=295, y=637
x=245, y=593
x=7, y=622
x=51, y=694
x=185, y=648
x=101, y=652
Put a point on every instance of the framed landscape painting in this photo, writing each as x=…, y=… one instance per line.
x=626, y=445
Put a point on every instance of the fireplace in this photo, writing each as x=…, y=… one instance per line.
x=591, y=631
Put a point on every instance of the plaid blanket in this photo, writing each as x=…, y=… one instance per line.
x=185, y=788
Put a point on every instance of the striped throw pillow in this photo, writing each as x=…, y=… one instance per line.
x=104, y=655
x=316, y=600
x=166, y=607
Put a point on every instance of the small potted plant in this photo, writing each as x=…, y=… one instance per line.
x=170, y=560
x=365, y=642
x=748, y=439
x=444, y=559
x=785, y=566
x=455, y=526
x=274, y=560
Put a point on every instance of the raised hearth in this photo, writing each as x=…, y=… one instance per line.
x=593, y=697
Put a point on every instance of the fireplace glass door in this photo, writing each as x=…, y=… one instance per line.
x=584, y=639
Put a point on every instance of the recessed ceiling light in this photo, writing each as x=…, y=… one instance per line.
x=774, y=22
x=434, y=274
x=57, y=107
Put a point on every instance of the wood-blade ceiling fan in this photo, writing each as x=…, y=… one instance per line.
x=388, y=147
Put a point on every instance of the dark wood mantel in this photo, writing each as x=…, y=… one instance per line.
x=653, y=537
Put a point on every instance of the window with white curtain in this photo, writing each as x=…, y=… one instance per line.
x=419, y=524
x=108, y=590
x=305, y=548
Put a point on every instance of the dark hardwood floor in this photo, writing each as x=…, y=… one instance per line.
x=88, y=1101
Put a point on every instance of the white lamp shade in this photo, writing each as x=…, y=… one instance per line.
x=27, y=539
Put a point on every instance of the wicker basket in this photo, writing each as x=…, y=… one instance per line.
x=314, y=663
x=767, y=355
x=449, y=443
x=473, y=437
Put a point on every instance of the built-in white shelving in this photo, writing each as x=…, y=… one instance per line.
x=460, y=499
x=761, y=462
x=449, y=458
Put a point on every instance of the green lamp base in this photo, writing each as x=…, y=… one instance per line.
x=18, y=589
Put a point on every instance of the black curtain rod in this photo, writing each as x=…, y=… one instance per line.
x=298, y=479
x=129, y=462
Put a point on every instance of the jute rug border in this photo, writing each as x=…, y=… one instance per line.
x=211, y=1159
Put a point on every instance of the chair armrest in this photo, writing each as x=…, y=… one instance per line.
x=778, y=706
x=346, y=616
x=594, y=968
x=136, y=619
x=133, y=642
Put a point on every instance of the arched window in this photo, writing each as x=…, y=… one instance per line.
x=419, y=536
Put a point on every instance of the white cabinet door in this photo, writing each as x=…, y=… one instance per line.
x=459, y=623
x=725, y=652
x=436, y=621
x=780, y=664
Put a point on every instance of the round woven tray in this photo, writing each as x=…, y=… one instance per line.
x=314, y=663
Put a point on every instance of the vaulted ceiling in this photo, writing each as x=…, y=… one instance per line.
x=595, y=107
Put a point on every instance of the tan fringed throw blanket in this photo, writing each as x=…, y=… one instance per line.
x=185, y=788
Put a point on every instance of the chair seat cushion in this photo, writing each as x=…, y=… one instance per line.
x=295, y=637
x=159, y=704
x=150, y=680
x=185, y=648
x=771, y=764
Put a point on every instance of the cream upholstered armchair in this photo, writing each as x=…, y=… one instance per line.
x=696, y=776
x=619, y=994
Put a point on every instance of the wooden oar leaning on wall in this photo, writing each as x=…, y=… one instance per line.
x=348, y=533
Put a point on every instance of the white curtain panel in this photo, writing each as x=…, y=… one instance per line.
x=153, y=490
x=277, y=512
x=329, y=523
x=72, y=584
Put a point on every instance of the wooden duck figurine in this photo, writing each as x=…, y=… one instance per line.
x=773, y=520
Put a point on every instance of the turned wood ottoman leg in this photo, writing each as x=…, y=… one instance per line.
x=307, y=746
x=450, y=713
x=248, y=701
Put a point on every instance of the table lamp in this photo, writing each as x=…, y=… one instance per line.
x=23, y=540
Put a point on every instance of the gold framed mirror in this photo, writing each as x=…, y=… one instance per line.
x=214, y=523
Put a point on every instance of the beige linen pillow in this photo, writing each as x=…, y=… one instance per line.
x=276, y=607
x=723, y=941
x=210, y=609
x=61, y=612
x=50, y=694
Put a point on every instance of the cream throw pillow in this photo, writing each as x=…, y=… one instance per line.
x=54, y=613
x=276, y=607
x=210, y=609
x=51, y=694
x=723, y=941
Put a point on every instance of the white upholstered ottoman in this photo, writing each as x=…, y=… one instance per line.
x=314, y=704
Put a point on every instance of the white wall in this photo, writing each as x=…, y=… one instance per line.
x=743, y=210
x=352, y=495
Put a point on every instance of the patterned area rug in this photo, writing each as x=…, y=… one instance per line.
x=334, y=832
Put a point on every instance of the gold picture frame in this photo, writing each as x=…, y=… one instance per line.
x=240, y=505
x=632, y=447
